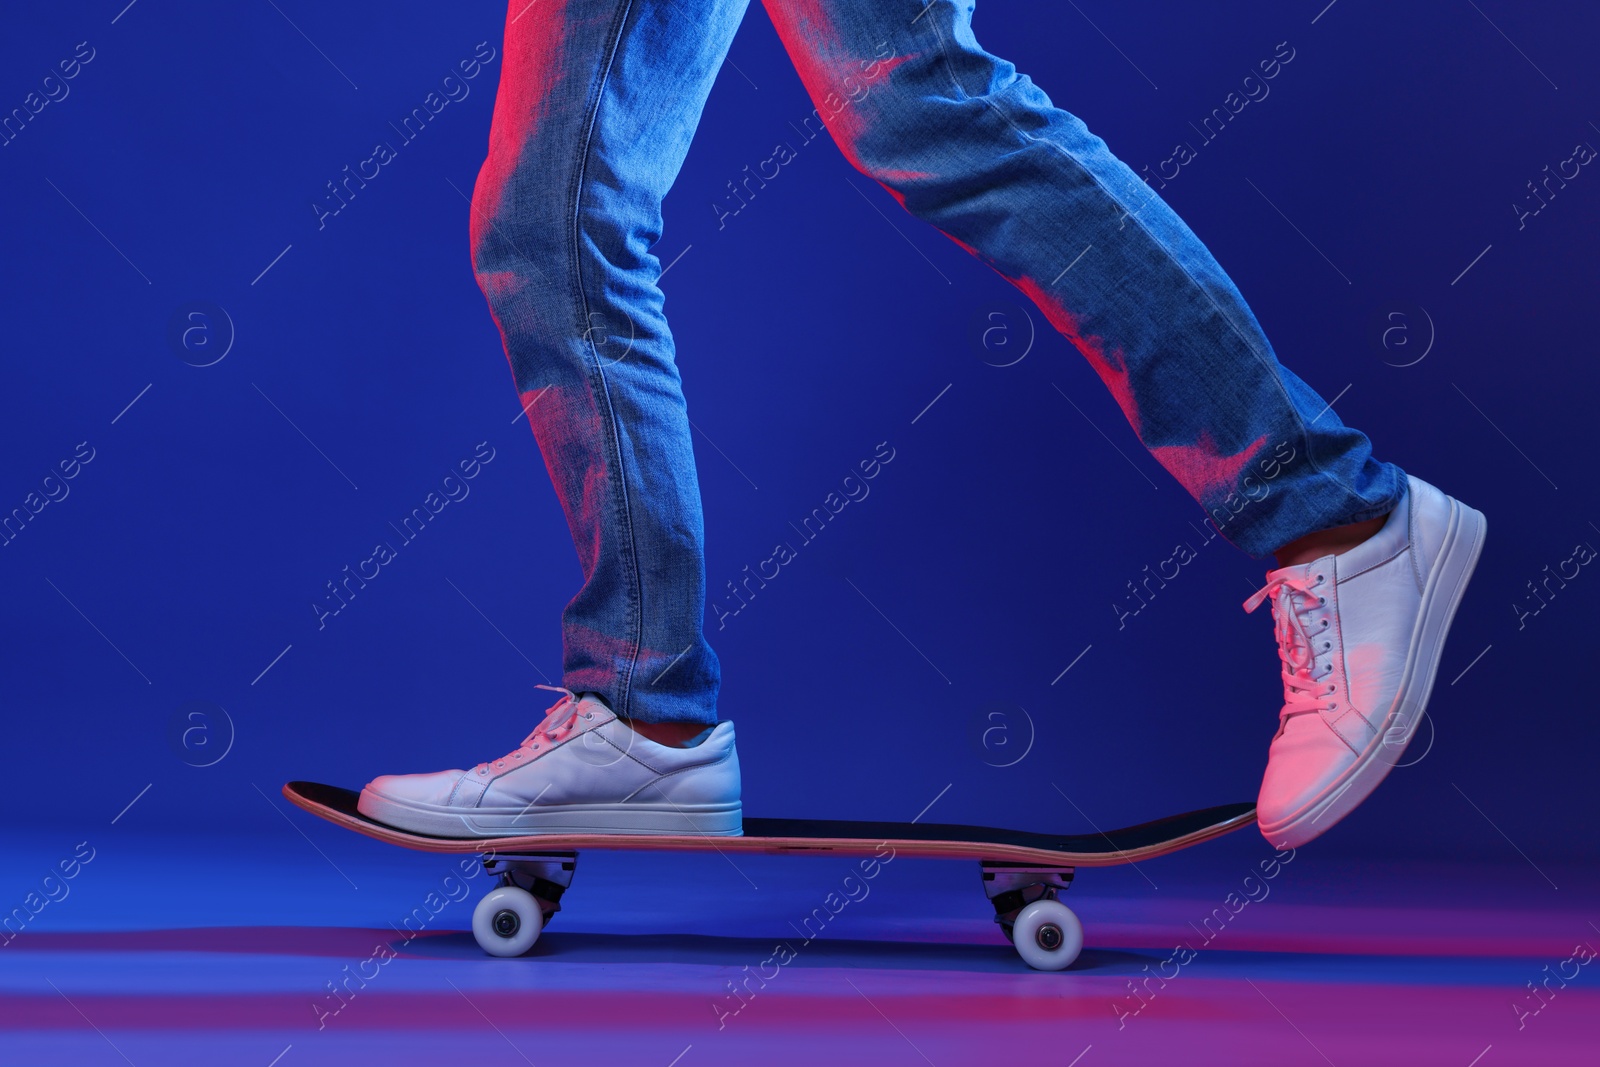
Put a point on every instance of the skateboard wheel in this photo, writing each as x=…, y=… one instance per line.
x=507, y=921
x=1047, y=935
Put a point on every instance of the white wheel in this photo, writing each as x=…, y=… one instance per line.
x=1047, y=935
x=507, y=921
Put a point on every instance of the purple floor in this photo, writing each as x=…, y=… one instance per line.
x=160, y=954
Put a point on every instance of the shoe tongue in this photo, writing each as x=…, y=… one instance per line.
x=1297, y=571
x=1298, y=574
x=557, y=715
x=560, y=712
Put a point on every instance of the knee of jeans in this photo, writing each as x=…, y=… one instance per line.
x=896, y=142
x=527, y=247
x=514, y=237
x=941, y=132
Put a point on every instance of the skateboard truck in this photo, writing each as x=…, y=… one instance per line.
x=544, y=875
x=1045, y=932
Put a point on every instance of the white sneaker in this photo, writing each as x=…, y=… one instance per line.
x=1360, y=635
x=581, y=771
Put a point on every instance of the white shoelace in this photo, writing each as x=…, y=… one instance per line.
x=1292, y=598
x=556, y=724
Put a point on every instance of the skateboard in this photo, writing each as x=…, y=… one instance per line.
x=1023, y=873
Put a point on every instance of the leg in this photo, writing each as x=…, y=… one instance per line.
x=971, y=146
x=1373, y=562
x=598, y=101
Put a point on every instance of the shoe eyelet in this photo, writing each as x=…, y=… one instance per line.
x=588, y=715
x=1322, y=600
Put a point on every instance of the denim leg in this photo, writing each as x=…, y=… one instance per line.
x=598, y=100
x=969, y=145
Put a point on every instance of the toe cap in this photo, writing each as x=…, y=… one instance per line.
x=1305, y=765
x=433, y=789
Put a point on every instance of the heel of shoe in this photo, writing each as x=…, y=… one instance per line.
x=1460, y=548
x=1458, y=557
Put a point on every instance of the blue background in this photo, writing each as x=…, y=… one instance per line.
x=986, y=560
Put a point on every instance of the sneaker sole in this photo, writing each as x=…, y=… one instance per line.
x=717, y=820
x=1458, y=558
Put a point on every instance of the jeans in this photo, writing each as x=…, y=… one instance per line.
x=597, y=104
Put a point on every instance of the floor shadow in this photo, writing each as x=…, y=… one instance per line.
x=574, y=947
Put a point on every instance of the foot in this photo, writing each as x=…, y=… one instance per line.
x=1360, y=633
x=581, y=771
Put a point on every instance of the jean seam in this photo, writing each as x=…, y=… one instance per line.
x=944, y=55
x=597, y=371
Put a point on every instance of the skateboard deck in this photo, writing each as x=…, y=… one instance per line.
x=1023, y=872
x=843, y=837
